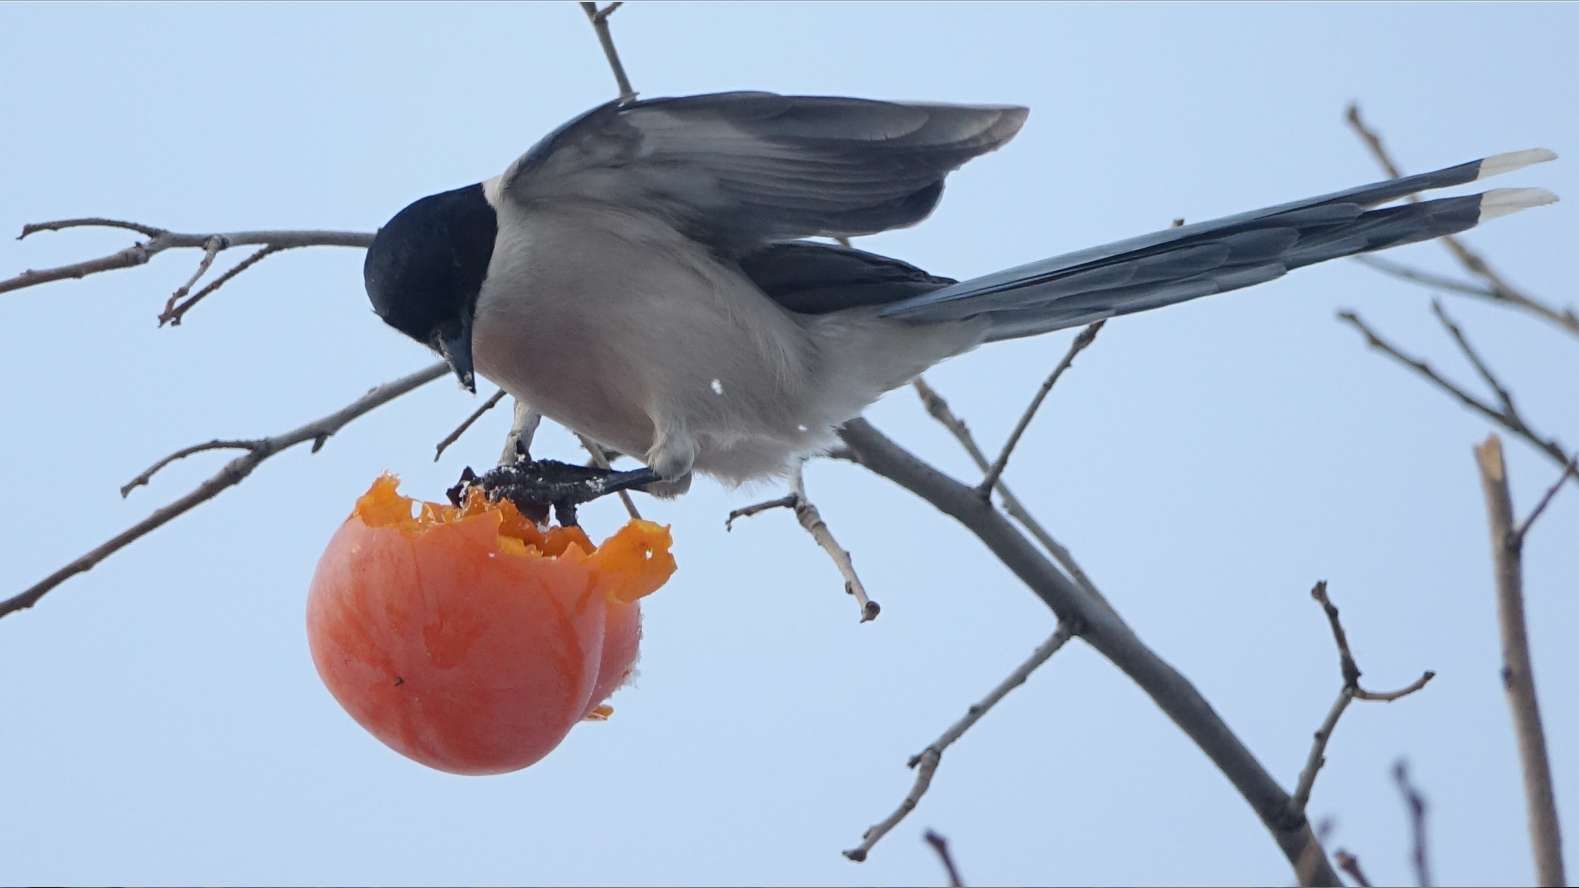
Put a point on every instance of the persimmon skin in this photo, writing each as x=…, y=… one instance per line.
x=621, y=640
x=465, y=649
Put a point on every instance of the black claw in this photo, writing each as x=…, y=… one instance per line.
x=456, y=492
x=536, y=486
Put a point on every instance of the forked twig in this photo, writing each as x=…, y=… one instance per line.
x=174, y=311
x=1513, y=422
x=1350, y=691
x=318, y=431
x=926, y=762
x=939, y=410
x=160, y=239
x=810, y=518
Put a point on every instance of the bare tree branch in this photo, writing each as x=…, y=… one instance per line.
x=1504, y=397
x=1170, y=690
x=1086, y=337
x=787, y=501
x=1472, y=262
x=1415, y=803
x=926, y=762
x=1513, y=422
x=600, y=24
x=1350, y=691
x=211, y=249
x=1518, y=675
x=811, y=519
x=1351, y=866
x=455, y=434
x=174, y=311
x=1425, y=278
x=32, y=228
x=318, y=431
x=939, y=409
x=147, y=474
x=160, y=240
x=1318, y=750
x=940, y=845
x=1523, y=529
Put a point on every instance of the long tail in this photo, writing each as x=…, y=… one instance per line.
x=1191, y=261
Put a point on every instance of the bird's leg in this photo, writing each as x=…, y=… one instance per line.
x=671, y=457
x=536, y=486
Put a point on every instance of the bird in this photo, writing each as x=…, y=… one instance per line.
x=649, y=275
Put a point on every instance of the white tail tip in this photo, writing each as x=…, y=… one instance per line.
x=1497, y=164
x=1502, y=201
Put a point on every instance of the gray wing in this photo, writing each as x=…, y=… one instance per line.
x=1191, y=261
x=740, y=169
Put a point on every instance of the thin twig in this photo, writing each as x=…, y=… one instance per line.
x=90, y=222
x=926, y=762
x=1514, y=423
x=600, y=24
x=1086, y=337
x=1351, y=865
x=1472, y=262
x=1390, y=696
x=1415, y=803
x=1350, y=691
x=147, y=474
x=1504, y=397
x=787, y=501
x=1523, y=529
x=318, y=431
x=811, y=519
x=160, y=240
x=1518, y=675
x=210, y=249
x=1167, y=688
x=601, y=459
x=1318, y=751
x=1349, y=669
x=173, y=312
x=455, y=434
x=939, y=410
x=940, y=845
x=1426, y=278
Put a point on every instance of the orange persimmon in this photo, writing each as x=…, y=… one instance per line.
x=469, y=639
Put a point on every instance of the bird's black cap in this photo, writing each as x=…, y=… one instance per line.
x=425, y=268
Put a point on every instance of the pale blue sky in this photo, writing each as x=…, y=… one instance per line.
x=162, y=720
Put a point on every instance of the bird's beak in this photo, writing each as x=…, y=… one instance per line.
x=454, y=342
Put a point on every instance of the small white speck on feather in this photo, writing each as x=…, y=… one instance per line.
x=718, y=387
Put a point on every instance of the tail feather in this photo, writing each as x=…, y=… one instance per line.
x=1191, y=261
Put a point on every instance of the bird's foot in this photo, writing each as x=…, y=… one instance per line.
x=536, y=486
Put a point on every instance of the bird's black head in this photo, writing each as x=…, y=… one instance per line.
x=425, y=268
